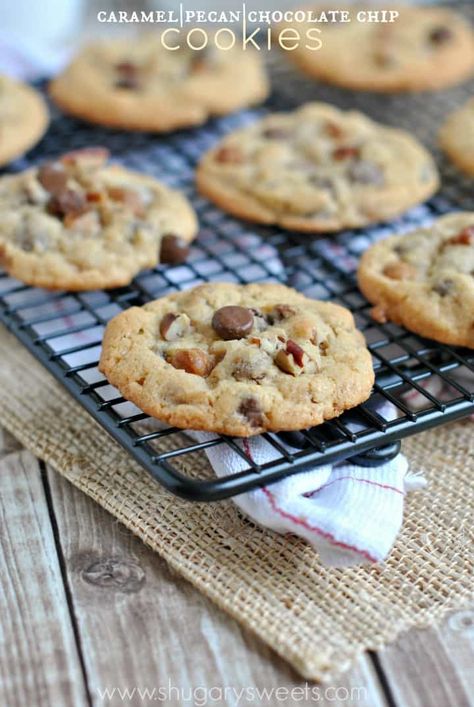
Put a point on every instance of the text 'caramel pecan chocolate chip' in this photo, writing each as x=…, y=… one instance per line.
x=194, y=361
x=232, y=322
x=251, y=410
x=174, y=250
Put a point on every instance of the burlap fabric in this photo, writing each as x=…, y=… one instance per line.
x=317, y=619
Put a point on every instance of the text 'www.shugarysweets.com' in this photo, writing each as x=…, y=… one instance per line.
x=255, y=29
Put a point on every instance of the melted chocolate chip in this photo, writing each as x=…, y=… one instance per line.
x=53, y=177
x=251, y=410
x=364, y=172
x=174, y=249
x=440, y=35
x=232, y=322
x=444, y=287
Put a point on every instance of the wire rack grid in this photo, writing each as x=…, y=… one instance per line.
x=419, y=383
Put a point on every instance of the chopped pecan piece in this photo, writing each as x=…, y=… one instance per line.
x=465, y=237
x=345, y=153
x=229, y=155
x=129, y=198
x=174, y=326
x=291, y=359
x=194, y=361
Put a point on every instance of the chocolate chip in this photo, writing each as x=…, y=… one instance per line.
x=126, y=68
x=53, y=177
x=440, y=35
x=444, y=287
x=345, y=153
x=128, y=83
x=174, y=249
x=283, y=311
x=276, y=133
x=251, y=410
x=68, y=202
x=127, y=76
x=365, y=172
x=232, y=322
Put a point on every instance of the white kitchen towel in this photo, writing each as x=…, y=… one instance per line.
x=351, y=515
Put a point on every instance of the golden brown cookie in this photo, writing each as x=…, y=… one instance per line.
x=457, y=138
x=317, y=169
x=425, y=48
x=238, y=360
x=23, y=119
x=424, y=280
x=137, y=84
x=79, y=223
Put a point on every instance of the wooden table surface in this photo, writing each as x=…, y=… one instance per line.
x=86, y=607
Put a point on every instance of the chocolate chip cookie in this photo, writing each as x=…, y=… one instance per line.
x=137, y=84
x=317, y=169
x=238, y=360
x=457, y=138
x=79, y=223
x=425, y=280
x=23, y=119
x=425, y=48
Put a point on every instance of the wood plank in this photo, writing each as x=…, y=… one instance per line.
x=433, y=667
x=143, y=627
x=39, y=662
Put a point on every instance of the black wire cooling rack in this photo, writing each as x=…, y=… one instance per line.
x=419, y=384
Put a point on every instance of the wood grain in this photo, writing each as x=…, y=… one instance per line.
x=433, y=667
x=142, y=626
x=39, y=662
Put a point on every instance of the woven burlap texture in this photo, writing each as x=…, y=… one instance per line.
x=318, y=619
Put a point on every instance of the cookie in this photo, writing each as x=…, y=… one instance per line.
x=238, y=360
x=23, y=119
x=78, y=223
x=425, y=280
x=425, y=48
x=137, y=84
x=457, y=138
x=317, y=169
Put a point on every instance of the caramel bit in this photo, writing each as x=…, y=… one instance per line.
x=229, y=155
x=291, y=359
x=194, y=361
x=345, y=153
x=68, y=203
x=333, y=130
x=400, y=271
x=251, y=410
x=465, y=237
x=129, y=198
x=379, y=314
